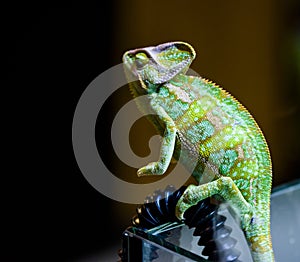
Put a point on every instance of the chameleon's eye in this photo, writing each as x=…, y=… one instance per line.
x=141, y=60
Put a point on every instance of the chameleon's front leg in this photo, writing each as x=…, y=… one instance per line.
x=224, y=187
x=167, y=146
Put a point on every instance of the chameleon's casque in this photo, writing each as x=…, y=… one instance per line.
x=206, y=125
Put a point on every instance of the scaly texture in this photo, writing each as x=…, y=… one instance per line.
x=211, y=132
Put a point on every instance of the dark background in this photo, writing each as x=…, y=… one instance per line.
x=50, y=211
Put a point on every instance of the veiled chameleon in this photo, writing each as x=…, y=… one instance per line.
x=202, y=120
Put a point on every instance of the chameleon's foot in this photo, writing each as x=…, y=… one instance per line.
x=154, y=168
x=180, y=209
x=184, y=203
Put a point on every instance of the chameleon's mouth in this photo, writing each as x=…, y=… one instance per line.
x=132, y=74
x=130, y=67
x=127, y=60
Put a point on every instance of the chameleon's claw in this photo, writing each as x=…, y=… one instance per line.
x=181, y=207
x=153, y=168
x=179, y=213
x=146, y=170
x=187, y=200
x=141, y=172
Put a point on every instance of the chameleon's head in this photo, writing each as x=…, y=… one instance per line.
x=159, y=64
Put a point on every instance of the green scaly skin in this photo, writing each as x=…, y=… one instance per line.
x=211, y=128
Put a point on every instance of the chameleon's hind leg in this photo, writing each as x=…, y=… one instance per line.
x=224, y=187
